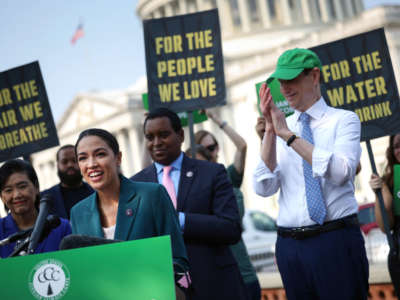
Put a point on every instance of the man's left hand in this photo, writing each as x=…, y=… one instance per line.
x=279, y=122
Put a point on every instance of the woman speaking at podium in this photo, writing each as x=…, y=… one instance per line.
x=121, y=209
x=19, y=191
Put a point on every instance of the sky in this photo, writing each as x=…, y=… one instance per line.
x=109, y=56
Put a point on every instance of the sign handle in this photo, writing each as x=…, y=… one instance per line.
x=380, y=198
x=191, y=132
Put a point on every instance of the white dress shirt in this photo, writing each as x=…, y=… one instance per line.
x=335, y=157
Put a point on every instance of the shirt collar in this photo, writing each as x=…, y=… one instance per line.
x=176, y=164
x=316, y=111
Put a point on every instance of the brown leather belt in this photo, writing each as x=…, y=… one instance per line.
x=300, y=233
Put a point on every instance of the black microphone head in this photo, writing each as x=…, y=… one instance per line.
x=73, y=241
x=52, y=221
x=39, y=231
x=47, y=197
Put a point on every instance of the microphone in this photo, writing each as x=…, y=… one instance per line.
x=15, y=237
x=52, y=222
x=44, y=207
x=73, y=241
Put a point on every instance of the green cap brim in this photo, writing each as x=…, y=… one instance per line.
x=285, y=74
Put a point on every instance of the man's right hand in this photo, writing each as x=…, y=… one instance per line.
x=265, y=106
x=265, y=102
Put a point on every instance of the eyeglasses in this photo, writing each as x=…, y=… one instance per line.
x=212, y=147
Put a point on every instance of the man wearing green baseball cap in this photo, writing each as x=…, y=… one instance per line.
x=312, y=157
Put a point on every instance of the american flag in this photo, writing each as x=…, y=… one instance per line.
x=78, y=34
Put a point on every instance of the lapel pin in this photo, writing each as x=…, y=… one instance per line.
x=189, y=174
x=129, y=212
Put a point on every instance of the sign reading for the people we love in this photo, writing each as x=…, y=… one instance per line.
x=26, y=122
x=184, y=62
x=357, y=75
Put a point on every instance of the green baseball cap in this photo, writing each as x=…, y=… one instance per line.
x=292, y=62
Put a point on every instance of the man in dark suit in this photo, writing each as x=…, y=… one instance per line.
x=204, y=199
x=71, y=188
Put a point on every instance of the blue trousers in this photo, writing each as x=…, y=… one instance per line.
x=329, y=266
x=253, y=290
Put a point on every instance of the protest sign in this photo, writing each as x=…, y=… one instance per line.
x=357, y=75
x=184, y=62
x=26, y=122
x=277, y=97
x=198, y=117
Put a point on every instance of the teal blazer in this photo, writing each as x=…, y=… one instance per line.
x=144, y=210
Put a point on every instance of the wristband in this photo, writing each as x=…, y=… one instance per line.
x=291, y=139
x=223, y=124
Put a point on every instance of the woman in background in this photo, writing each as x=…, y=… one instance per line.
x=386, y=185
x=235, y=173
x=19, y=191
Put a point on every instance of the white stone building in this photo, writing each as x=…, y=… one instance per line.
x=255, y=33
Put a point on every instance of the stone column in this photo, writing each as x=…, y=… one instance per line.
x=207, y=5
x=182, y=7
x=348, y=7
x=129, y=155
x=122, y=148
x=126, y=149
x=315, y=15
x=359, y=4
x=157, y=14
x=225, y=16
x=244, y=15
x=286, y=12
x=325, y=13
x=338, y=5
x=265, y=14
x=191, y=7
x=168, y=10
x=137, y=149
x=200, y=5
x=306, y=11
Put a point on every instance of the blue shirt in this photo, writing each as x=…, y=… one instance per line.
x=175, y=175
x=51, y=243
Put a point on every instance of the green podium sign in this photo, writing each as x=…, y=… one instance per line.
x=140, y=269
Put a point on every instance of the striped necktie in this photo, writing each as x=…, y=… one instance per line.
x=315, y=199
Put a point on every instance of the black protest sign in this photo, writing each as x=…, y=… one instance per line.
x=357, y=75
x=184, y=62
x=26, y=122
